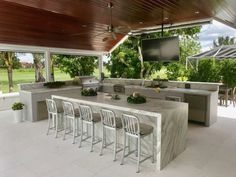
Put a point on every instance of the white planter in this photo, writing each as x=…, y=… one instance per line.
x=18, y=116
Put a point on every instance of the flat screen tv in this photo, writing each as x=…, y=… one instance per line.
x=160, y=49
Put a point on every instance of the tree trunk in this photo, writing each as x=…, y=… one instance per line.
x=10, y=78
x=38, y=68
x=38, y=75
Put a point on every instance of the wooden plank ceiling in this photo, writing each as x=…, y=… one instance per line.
x=82, y=24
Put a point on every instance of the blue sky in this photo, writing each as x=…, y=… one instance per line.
x=208, y=34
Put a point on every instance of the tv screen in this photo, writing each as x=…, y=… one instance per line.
x=161, y=49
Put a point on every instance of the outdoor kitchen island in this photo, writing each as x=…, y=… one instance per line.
x=169, y=119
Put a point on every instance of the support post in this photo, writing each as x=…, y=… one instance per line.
x=100, y=67
x=48, y=67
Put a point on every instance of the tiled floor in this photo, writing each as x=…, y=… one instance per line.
x=26, y=151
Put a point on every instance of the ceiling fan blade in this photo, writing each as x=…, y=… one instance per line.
x=99, y=34
x=122, y=30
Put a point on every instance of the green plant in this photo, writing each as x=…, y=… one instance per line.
x=176, y=71
x=228, y=72
x=17, y=106
x=115, y=97
x=88, y=92
x=208, y=70
x=136, y=99
x=56, y=84
x=75, y=65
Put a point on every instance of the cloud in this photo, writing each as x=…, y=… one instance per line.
x=211, y=32
x=25, y=57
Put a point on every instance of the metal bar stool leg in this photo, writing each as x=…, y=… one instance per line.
x=101, y=152
x=139, y=153
x=77, y=127
x=123, y=153
x=81, y=136
x=153, y=138
x=136, y=152
x=105, y=138
x=92, y=138
x=65, y=127
x=73, y=142
x=49, y=123
x=115, y=144
x=56, y=122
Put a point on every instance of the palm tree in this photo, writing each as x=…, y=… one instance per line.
x=8, y=58
x=224, y=41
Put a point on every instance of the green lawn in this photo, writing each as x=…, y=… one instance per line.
x=27, y=76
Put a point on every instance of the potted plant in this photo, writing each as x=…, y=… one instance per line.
x=18, y=111
x=88, y=92
x=136, y=98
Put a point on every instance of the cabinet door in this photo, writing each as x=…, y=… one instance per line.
x=197, y=107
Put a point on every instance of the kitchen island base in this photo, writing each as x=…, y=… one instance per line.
x=169, y=119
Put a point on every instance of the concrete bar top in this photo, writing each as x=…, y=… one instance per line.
x=103, y=99
x=45, y=89
x=176, y=90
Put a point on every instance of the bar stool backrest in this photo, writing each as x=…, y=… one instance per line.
x=234, y=91
x=51, y=106
x=131, y=124
x=68, y=109
x=108, y=118
x=86, y=113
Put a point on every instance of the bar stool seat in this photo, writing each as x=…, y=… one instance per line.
x=145, y=129
x=118, y=122
x=60, y=110
x=96, y=117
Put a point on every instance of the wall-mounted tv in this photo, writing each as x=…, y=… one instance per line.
x=160, y=49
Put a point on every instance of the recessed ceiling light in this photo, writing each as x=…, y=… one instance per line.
x=197, y=12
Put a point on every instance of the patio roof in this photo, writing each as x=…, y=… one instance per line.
x=56, y=23
x=220, y=53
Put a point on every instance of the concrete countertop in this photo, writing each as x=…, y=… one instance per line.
x=104, y=100
x=44, y=90
x=170, y=89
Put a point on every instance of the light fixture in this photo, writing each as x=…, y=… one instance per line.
x=197, y=12
x=140, y=22
x=166, y=18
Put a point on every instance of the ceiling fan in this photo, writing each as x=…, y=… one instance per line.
x=114, y=30
x=111, y=29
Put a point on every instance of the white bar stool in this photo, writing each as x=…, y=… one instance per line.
x=91, y=119
x=113, y=123
x=134, y=129
x=71, y=115
x=55, y=116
